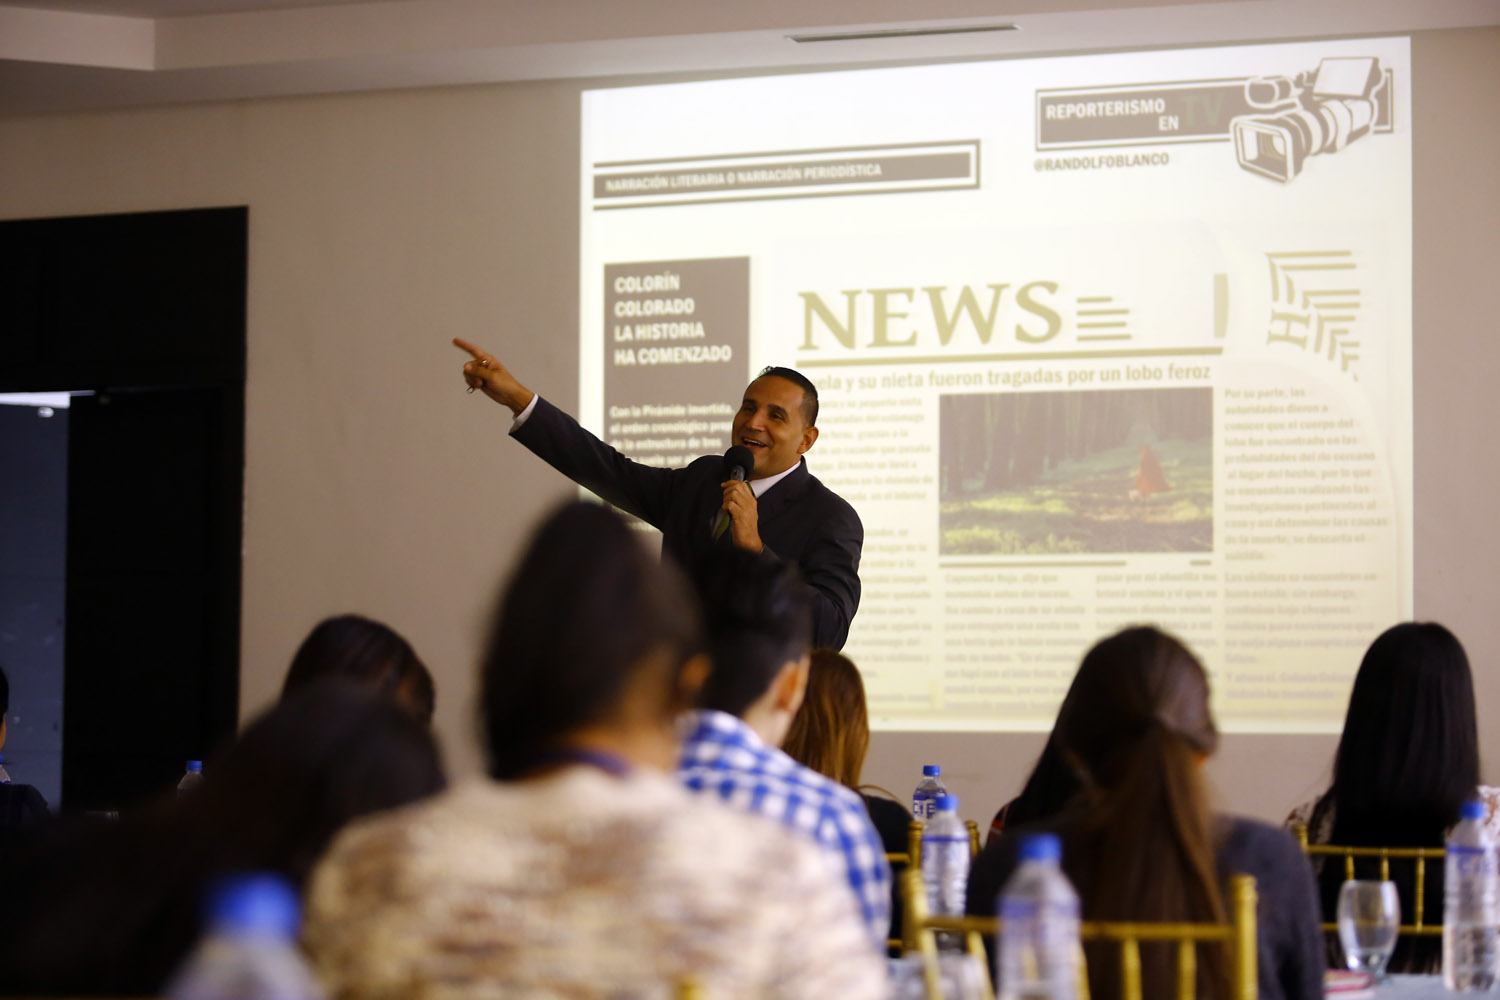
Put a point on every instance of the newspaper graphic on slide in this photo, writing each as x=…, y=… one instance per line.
x=1099, y=340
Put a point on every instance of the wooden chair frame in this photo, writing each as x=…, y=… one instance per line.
x=1421, y=855
x=1240, y=934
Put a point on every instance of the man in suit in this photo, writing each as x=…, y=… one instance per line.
x=781, y=511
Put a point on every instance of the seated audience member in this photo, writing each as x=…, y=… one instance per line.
x=1408, y=758
x=1052, y=783
x=113, y=908
x=584, y=869
x=831, y=733
x=1139, y=841
x=20, y=804
x=759, y=632
x=366, y=652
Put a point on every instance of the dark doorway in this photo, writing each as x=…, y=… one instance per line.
x=147, y=311
x=33, y=580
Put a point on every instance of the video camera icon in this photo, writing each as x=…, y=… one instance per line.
x=1318, y=112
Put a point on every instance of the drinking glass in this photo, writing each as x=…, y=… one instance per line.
x=1369, y=917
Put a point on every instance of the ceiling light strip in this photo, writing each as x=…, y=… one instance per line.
x=861, y=36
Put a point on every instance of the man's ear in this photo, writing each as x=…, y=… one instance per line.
x=691, y=678
x=808, y=437
x=791, y=684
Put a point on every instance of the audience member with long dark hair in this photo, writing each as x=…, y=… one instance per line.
x=1140, y=841
x=1053, y=782
x=1408, y=758
x=112, y=908
x=583, y=869
x=367, y=652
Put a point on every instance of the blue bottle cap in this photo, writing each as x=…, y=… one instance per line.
x=195, y=765
x=1473, y=809
x=1041, y=847
x=931, y=770
x=947, y=803
x=260, y=904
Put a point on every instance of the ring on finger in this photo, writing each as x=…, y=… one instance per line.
x=484, y=362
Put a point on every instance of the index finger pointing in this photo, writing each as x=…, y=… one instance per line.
x=466, y=346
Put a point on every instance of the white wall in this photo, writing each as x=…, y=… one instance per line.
x=383, y=224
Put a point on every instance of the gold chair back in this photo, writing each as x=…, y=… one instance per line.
x=914, y=843
x=1420, y=855
x=913, y=859
x=922, y=928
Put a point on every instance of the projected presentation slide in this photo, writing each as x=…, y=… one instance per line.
x=1099, y=340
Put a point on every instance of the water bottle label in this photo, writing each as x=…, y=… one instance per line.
x=1029, y=909
x=923, y=808
x=1468, y=860
x=1012, y=910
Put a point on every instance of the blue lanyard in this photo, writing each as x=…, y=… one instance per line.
x=607, y=762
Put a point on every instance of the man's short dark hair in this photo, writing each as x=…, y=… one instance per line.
x=758, y=619
x=809, y=391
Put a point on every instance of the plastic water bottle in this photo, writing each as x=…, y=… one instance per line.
x=924, y=799
x=191, y=777
x=1470, y=948
x=4, y=777
x=1037, y=954
x=945, y=862
x=250, y=950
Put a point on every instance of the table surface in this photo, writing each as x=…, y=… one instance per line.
x=1410, y=988
x=906, y=982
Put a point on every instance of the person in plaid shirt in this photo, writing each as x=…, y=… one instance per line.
x=760, y=632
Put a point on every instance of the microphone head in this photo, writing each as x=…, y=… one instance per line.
x=738, y=459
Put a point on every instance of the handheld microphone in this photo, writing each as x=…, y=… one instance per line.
x=738, y=462
x=737, y=465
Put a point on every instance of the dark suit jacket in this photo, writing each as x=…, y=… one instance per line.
x=801, y=520
x=20, y=806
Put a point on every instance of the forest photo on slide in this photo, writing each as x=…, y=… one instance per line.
x=1127, y=470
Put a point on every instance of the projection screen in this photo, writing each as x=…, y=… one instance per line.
x=1099, y=340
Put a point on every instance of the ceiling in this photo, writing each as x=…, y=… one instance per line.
x=67, y=55
x=174, y=8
